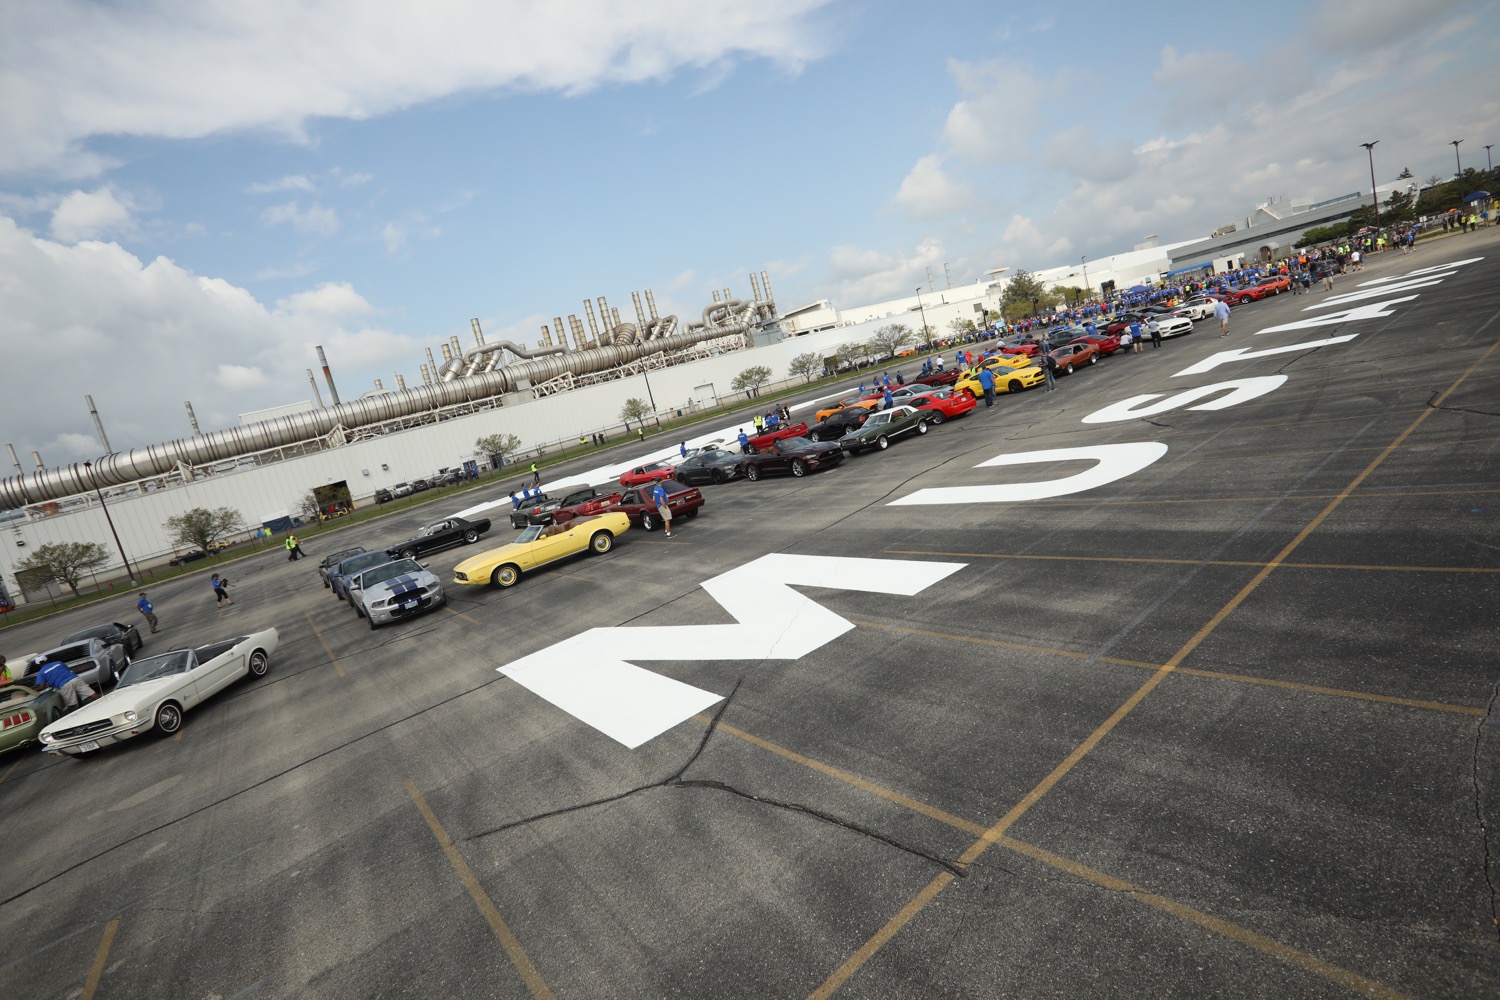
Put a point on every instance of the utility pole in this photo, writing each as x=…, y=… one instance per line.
x=1374, y=197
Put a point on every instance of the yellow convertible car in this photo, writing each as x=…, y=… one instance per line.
x=1006, y=380
x=538, y=545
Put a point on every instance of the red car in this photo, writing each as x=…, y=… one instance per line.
x=764, y=440
x=597, y=504
x=646, y=474
x=683, y=501
x=1107, y=343
x=941, y=405
x=1273, y=285
x=1026, y=347
x=947, y=377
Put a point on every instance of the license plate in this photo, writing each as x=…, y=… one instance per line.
x=408, y=605
x=90, y=745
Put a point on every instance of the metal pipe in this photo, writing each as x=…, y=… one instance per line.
x=651, y=303
x=765, y=284
x=14, y=460
x=36, y=457
x=333, y=391
x=431, y=364
x=562, y=333
x=426, y=374
x=577, y=326
x=588, y=308
x=754, y=287
x=98, y=424
x=640, y=317
x=607, y=329
x=400, y=382
x=478, y=333
x=193, y=419
x=312, y=381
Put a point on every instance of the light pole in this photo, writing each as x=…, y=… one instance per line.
x=1457, y=164
x=105, y=507
x=1489, y=163
x=1374, y=196
x=926, y=334
x=1085, y=260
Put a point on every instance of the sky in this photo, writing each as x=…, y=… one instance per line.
x=194, y=194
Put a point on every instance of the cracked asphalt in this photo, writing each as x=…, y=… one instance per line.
x=1221, y=728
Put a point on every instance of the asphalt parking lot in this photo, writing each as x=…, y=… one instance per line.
x=1217, y=726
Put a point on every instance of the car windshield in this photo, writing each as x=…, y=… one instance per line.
x=877, y=420
x=530, y=533
x=793, y=443
x=97, y=632
x=340, y=556
x=361, y=562
x=432, y=529
x=388, y=571
x=178, y=661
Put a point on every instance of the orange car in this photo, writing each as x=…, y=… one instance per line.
x=845, y=404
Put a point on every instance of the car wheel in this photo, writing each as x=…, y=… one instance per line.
x=408, y=553
x=602, y=542
x=1068, y=369
x=882, y=442
x=718, y=476
x=815, y=436
x=168, y=719
x=937, y=418
x=373, y=626
x=259, y=663
x=506, y=576
x=921, y=427
x=1093, y=359
x=648, y=522
x=1014, y=385
x=326, y=584
x=693, y=513
x=752, y=472
x=799, y=468
x=471, y=536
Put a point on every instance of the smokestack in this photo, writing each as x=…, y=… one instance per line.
x=478, y=333
x=193, y=418
x=727, y=296
x=431, y=364
x=651, y=304
x=400, y=382
x=754, y=287
x=562, y=332
x=588, y=309
x=333, y=391
x=314, y=383
x=716, y=295
x=36, y=457
x=609, y=328
x=577, y=330
x=458, y=351
x=378, y=385
x=98, y=425
x=765, y=284
x=447, y=354
x=426, y=374
x=14, y=460
x=640, y=317
x=614, y=315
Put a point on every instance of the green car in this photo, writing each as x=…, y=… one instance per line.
x=24, y=713
x=884, y=427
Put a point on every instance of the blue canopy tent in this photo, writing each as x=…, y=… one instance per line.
x=1476, y=196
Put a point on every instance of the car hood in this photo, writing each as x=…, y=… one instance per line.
x=136, y=696
x=819, y=448
x=406, y=583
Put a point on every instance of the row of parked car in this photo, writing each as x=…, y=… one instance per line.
x=443, y=477
x=97, y=655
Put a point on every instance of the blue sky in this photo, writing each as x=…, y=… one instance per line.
x=193, y=195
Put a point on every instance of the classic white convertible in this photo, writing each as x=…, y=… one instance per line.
x=155, y=691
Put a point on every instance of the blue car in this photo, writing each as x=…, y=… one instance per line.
x=338, y=576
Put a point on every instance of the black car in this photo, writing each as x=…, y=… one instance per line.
x=838, y=424
x=331, y=561
x=112, y=634
x=711, y=465
x=418, y=485
x=795, y=456
x=440, y=535
x=538, y=508
x=187, y=557
x=384, y=495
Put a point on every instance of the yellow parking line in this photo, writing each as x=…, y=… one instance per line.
x=460, y=614
x=853, y=963
x=1386, y=699
x=332, y=656
x=487, y=907
x=96, y=971
x=1240, y=563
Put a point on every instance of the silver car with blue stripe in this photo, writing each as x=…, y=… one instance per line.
x=397, y=589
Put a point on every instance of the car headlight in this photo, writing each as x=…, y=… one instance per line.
x=130, y=716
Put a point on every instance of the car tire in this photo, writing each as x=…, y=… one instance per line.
x=937, y=418
x=506, y=576
x=921, y=427
x=815, y=436
x=882, y=442
x=718, y=476
x=1068, y=369
x=1093, y=359
x=752, y=472
x=259, y=664
x=373, y=626
x=601, y=543
x=168, y=719
x=471, y=536
x=693, y=513
x=408, y=553
x=799, y=467
x=1014, y=385
x=648, y=522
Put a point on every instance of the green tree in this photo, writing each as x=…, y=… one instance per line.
x=851, y=354
x=308, y=507
x=961, y=326
x=65, y=562
x=635, y=410
x=1324, y=234
x=1397, y=208
x=498, y=444
x=1021, y=291
x=807, y=365
x=890, y=339
x=201, y=527
x=751, y=379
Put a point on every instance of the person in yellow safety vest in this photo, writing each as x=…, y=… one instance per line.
x=293, y=548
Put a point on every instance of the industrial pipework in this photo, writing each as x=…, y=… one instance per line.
x=460, y=381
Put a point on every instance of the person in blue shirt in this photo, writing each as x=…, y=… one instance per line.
x=659, y=498
x=56, y=675
x=744, y=442
x=682, y=448
x=515, y=501
x=888, y=400
x=147, y=612
x=221, y=591
x=987, y=383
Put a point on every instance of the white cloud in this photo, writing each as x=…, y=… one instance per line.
x=88, y=215
x=332, y=299
x=315, y=220
x=862, y=275
x=1002, y=106
x=76, y=69
x=291, y=182
x=240, y=377
x=927, y=191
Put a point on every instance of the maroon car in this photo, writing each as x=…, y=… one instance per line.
x=792, y=456
x=683, y=501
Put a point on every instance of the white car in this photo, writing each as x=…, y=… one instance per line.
x=1174, y=326
x=394, y=590
x=1201, y=307
x=155, y=692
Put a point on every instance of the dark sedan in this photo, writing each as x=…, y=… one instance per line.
x=711, y=465
x=792, y=456
x=333, y=560
x=636, y=503
x=340, y=572
x=838, y=425
x=440, y=535
x=112, y=634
